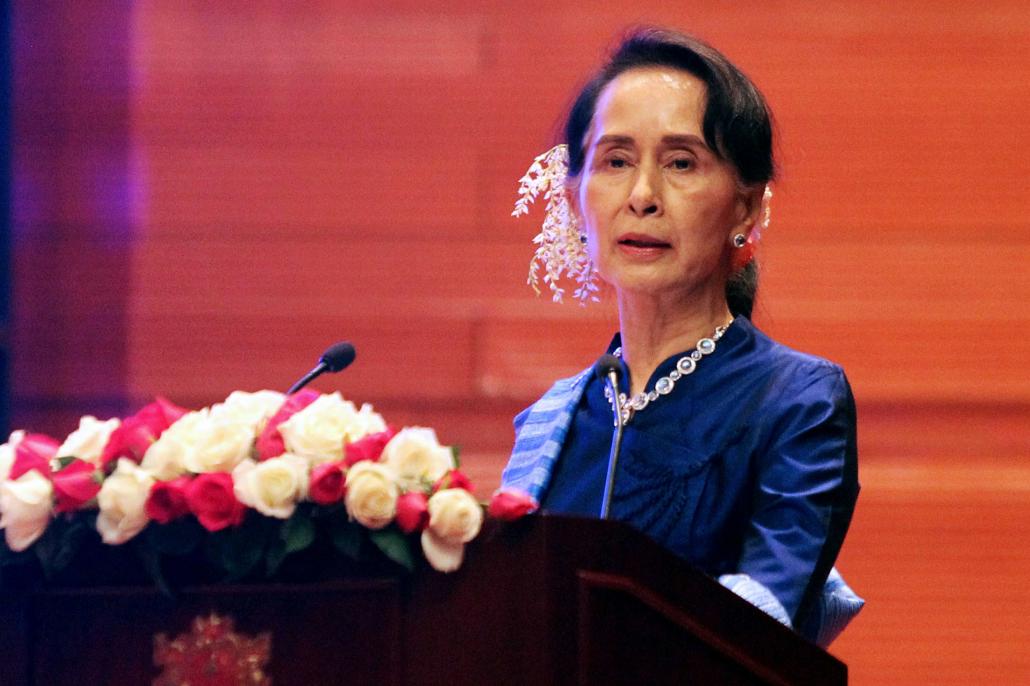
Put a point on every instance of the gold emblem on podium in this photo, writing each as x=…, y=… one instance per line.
x=212, y=654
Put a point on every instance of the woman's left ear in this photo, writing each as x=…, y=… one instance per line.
x=749, y=205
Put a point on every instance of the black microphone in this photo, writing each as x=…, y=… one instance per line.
x=336, y=358
x=608, y=369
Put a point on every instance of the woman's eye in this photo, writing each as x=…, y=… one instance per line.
x=617, y=163
x=682, y=164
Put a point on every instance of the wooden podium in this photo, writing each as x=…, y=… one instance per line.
x=545, y=600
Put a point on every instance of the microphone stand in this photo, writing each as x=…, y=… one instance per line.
x=611, y=379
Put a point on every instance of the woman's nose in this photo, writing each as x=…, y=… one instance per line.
x=645, y=199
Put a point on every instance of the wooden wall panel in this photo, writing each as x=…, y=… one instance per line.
x=207, y=194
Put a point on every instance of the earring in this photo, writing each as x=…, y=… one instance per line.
x=739, y=241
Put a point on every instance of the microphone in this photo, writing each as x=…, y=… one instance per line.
x=336, y=358
x=608, y=369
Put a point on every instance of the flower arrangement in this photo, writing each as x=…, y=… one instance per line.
x=255, y=478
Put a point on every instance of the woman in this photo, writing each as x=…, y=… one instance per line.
x=738, y=453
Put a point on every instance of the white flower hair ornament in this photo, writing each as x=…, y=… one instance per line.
x=560, y=247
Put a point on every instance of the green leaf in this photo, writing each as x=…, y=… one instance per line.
x=65, y=461
x=274, y=557
x=298, y=532
x=178, y=537
x=59, y=544
x=238, y=551
x=347, y=536
x=456, y=454
x=151, y=560
x=395, y=545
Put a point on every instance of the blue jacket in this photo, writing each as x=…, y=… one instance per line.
x=795, y=482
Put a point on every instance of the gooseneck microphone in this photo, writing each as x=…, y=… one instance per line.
x=336, y=358
x=608, y=369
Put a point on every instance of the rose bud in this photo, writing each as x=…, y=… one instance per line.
x=33, y=451
x=327, y=483
x=167, y=500
x=368, y=447
x=453, y=479
x=135, y=434
x=412, y=512
x=212, y=500
x=270, y=443
x=509, y=504
x=75, y=485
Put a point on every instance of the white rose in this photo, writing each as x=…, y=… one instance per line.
x=249, y=408
x=25, y=507
x=218, y=445
x=319, y=431
x=272, y=487
x=371, y=494
x=88, y=441
x=441, y=554
x=122, y=500
x=165, y=456
x=454, y=515
x=416, y=455
x=7, y=453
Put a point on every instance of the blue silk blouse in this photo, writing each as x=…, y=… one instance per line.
x=748, y=466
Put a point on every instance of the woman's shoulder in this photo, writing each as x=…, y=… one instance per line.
x=788, y=365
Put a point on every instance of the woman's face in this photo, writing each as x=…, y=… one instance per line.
x=659, y=206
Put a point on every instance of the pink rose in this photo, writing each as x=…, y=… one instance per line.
x=412, y=512
x=509, y=504
x=270, y=442
x=453, y=479
x=167, y=500
x=136, y=433
x=369, y=447
x=34, y=451
x=75, y=485
x=212, y=500
x=327, y=483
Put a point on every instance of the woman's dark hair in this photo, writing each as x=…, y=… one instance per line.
x=737, y=124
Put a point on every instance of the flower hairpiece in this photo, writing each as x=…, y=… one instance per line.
x=560, y=248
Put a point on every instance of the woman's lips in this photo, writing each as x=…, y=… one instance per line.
x=641, y=246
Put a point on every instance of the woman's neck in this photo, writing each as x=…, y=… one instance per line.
x=654, y=328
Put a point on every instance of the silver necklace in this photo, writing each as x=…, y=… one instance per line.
x=685, y=366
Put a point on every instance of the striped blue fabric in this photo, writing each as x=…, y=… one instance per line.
x=540, y=433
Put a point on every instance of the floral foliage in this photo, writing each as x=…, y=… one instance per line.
x=249, y=482
x=560, y=248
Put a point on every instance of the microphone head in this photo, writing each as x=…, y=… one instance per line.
x=338, y=356
x=607, y=364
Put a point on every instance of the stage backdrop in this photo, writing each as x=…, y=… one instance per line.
x=208, y=194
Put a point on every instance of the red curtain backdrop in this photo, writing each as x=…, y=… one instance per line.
x=208, y=194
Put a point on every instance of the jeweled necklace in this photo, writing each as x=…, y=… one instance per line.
x=685, y=366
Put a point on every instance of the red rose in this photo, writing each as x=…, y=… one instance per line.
x=453, y=479
x=270, y=443
x=412, y=512
x=159, y=415
x=167, y=500
x=136, y=433
x=369, y=447
x=211, y=499
x=34, y=451
x=75, y=485
x=327, y=483
x=509, y=504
